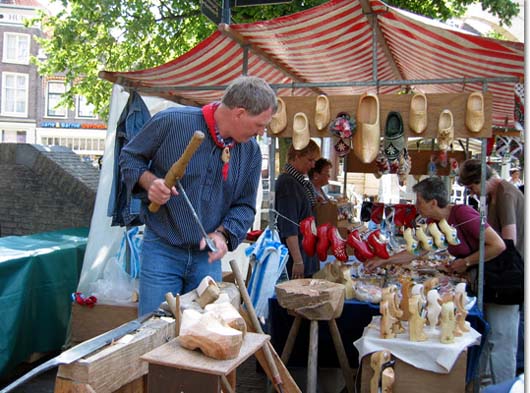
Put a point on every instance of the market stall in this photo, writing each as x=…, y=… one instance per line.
x=373, y=48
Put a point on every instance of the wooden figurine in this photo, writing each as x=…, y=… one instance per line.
x=376, y=362
x=387, y=320
x=447, y=323
x=419, y=289
x=416, y=322
x=461, y=312
x=429, y=284
x=387, y=380
x=406, y=285
x=434, y=307
x=391, y=296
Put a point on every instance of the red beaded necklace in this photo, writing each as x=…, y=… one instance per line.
x=208, y=113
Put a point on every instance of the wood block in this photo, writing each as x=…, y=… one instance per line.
x=117, y=365
x=91, y=322
x=409, y=379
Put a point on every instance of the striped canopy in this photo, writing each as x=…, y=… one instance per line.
x=338, y=48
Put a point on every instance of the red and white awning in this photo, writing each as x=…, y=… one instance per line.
x=331, y=45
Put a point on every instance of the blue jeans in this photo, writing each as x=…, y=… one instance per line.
x=502, y=341
x=166, y=268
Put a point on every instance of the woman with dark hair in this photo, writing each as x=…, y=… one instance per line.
x=294, y=201
x=319, y=176
x=505, y=212
x=432, y=202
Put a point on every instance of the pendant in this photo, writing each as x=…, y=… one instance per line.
x=225, y=155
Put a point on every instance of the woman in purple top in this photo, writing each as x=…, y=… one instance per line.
x=432, y=202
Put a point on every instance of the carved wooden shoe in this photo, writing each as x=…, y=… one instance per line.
x=439, y=238
x=279, y=119
x=210, y=334
x=413, y=246
x=451, y=235
x=426, y=242
x=308, y=229
x=301, y=134
x=366, y=138
x=377, y=244
x=446, y=130
x=322, y=114
x=418, y=113
x=361, y=250
x=338, y=244
x=475, y=112
x=394, y=140
x=323, y=241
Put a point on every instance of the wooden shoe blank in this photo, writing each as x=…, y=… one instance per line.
x=210, y=334
x=368, y=133
x=446, y=130
x=475, y=112
x=322, y=114
x=301, y=134
x=279, y=119
x=418, y=113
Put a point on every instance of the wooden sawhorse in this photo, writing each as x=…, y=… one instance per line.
x=174, y=369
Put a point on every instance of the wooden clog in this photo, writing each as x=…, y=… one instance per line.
x=366, y=138
x=446, y=130
x=322, y=113
x=279, y=119
x=301, y=134
x=418, y=113
x=475, y=112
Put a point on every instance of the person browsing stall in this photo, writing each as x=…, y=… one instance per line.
x=221, y=181
x=505, y=214
x=319, y=176
x=294, y=201
x=432, y=202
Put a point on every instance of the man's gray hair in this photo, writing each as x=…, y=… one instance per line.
x=251, y=93
x=432, y=188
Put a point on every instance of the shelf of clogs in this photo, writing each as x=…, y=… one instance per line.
x=436, y=103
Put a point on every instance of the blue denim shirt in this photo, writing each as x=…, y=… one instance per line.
x=230, y=203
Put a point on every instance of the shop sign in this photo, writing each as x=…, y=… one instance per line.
x=63, y=124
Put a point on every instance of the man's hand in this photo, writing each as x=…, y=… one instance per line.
x=220, y=244
x=159, y=193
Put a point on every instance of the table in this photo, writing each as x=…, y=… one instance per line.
x=355, y=316
x=173, y=368
x=38, y=274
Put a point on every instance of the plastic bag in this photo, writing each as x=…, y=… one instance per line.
x=116, y=286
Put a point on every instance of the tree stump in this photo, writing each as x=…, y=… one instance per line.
x=313, y=299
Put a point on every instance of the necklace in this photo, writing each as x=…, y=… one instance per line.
x=224, y=144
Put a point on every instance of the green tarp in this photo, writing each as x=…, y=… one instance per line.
x=38, y=274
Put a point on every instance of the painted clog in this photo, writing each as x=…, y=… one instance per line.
x=446, y=130
x=394, y=140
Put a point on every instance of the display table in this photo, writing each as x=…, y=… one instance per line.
x=356, y=315
x=38, y=274
x=434, y=358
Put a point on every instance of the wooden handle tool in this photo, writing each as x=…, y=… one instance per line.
x=177, y=170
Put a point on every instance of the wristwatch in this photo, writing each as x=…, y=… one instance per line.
x=225, y=235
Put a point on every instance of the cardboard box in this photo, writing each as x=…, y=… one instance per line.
x=91, y=322
x=409, y=379
x=326, y=213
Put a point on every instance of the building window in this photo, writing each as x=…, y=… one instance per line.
x=14, y=94
x=55, y=90
x=16, y=48
x=84, y=109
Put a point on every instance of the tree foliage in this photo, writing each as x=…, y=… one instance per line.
x=87, y=36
